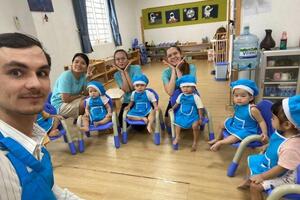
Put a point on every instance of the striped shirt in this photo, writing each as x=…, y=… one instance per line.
x=10, y=188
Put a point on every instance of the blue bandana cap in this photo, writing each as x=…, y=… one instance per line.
x=245, y=84
x=291, y=108
x=186, y=80
x=97, y=86
x=140, y=79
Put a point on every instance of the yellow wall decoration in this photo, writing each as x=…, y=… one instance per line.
x=185, y=14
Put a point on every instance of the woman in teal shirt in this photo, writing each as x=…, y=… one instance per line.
x=123, y=77
x=177, y=67
x=67, y=96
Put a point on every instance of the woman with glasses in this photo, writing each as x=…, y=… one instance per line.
x=123, y=77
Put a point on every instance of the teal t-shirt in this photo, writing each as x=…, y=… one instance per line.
x=67, y=83
x=133, y=70
x=166, y=75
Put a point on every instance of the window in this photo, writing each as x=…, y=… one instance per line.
x=98, y=22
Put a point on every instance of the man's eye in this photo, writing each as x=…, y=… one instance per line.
x=16, y=73
x=43, y=74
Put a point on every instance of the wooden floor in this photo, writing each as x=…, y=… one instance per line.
x=140, y=170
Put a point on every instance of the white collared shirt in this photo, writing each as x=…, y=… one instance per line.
x=10, y=188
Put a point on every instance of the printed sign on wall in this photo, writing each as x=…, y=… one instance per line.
x=154, y=18
x=190, y=14
x=185, y=14
x=172, y=16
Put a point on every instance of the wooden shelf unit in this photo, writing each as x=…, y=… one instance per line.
x=193, y=49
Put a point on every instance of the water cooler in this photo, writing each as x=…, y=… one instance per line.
x=246, y=55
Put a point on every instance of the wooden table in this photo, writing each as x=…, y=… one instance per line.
x=115, y=94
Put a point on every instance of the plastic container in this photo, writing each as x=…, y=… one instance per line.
x=221, y=71
x=245, y=50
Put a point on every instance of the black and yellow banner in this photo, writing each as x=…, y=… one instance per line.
x=185, y=14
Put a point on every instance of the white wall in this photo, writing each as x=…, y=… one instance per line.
x=12, y=8
x=283, y=16
x=191, y=33
x=59, y=35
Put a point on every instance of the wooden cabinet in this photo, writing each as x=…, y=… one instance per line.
x=198, y=50
x=279, y=74
x=193, y=49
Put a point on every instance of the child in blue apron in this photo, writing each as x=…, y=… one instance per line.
x=141, y=102
x=188, y=109
x=277, y=166
x=49, y=123
x=97, y=110
x=246, y=117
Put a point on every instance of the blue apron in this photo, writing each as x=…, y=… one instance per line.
x=261, y=163
x=46, y=124
x=36, y=184
x=142, y=105
x=242, y=124
x=187, y=113
x=97, y=109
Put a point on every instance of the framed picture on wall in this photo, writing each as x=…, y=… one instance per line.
x=190, y=14
x=172, y=16
x=154, y=18
x=40, y=5
x=210, y=11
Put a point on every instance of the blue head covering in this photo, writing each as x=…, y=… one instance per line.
x=186, y=80
x=291, y=108
x=97, y=86
x=245, y=84
x=140, y=79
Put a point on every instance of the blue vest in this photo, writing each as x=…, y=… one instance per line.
x=97, y=109
x=271, y=155
x=142, y=105
x=36, y=184
x=243, y=118
x=187, y=113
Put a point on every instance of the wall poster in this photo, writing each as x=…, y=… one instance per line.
x=198, y=12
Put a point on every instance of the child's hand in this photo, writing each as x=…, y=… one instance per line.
x=257, y=179
x=156, y=108
x=109, y=114
x=264, y=138
x=87, y=114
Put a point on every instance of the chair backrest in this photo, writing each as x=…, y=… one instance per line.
x=50, y=109
x=264, y=106
x=155, y=93
x=49, y=98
